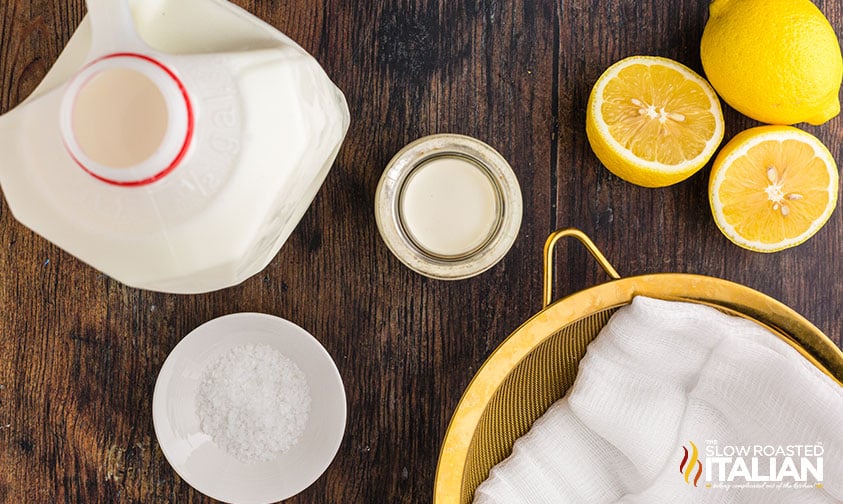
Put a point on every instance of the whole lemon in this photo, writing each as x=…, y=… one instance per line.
x=776, y=61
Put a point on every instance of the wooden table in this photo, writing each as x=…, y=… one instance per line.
x=79, y=352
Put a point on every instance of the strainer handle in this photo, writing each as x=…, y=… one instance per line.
x=549, y=247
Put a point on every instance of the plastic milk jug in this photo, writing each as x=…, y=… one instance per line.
x=174, y=145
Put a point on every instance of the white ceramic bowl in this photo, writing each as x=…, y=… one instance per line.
x=204, y=465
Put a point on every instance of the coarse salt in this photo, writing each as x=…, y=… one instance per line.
x=254, y=403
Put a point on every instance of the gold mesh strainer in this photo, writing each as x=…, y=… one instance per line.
x=538, y=362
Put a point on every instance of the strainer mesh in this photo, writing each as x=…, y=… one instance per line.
x=535, y=383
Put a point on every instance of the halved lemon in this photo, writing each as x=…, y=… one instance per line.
x=652, y=121
x=773, y=187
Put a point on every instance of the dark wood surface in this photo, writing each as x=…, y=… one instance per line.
x=79, y=352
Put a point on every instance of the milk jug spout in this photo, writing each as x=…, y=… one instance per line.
x=170, y=162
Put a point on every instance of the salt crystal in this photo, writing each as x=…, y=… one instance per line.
x=254, y=403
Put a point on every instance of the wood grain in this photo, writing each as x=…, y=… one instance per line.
x=79, y=352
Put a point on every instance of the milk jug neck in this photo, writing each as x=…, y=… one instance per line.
x=127, y=119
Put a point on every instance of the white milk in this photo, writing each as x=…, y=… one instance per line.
x=191, y=138
x=449, y=206
x=119, y=118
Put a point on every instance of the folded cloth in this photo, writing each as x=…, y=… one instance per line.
x=671, y=404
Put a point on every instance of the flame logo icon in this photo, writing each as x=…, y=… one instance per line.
x=688, y=464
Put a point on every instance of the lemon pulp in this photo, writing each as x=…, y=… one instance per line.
x=772, y=188
x=653, y=121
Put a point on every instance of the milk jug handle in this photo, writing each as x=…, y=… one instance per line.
x=113, y=29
